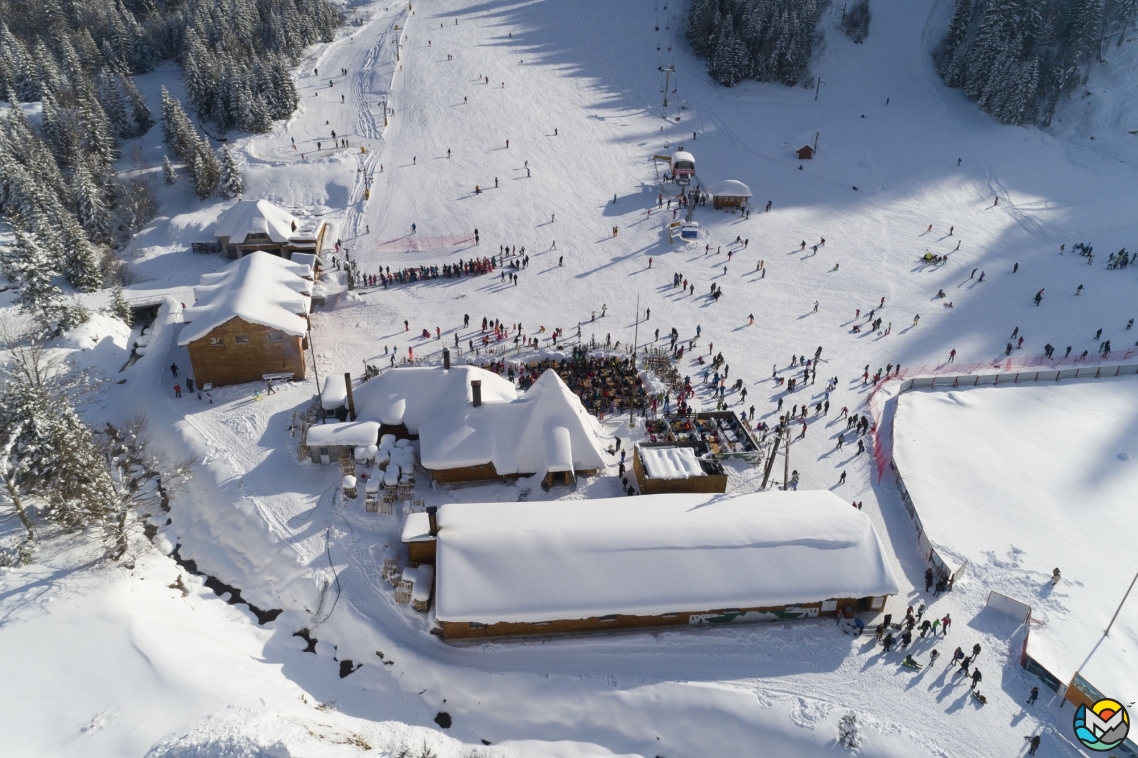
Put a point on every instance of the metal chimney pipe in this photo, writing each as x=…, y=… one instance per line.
x=476, y=390
x=433, y=519
x=446, y=358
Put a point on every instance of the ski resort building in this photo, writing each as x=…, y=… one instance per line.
x=730, y=194
x=257, y=225
x=673, y=467
x=472, y=426
x=508, y=569
x=249, y=320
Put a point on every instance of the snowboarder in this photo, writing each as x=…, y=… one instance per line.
x=177, y=390
x=174, y=369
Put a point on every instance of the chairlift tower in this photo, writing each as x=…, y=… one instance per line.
x=668, y=71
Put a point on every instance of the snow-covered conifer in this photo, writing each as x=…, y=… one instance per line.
x=169, y=175
x=232, y=185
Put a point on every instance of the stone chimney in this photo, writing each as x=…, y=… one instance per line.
x=446, y=358
x=433, y=519
x=476, y=391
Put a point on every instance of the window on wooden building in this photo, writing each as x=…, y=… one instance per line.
x=216, y=341
x=274, y=336
x=242, y=339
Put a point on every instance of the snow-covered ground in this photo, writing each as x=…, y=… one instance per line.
x=575, y=88
x=1019, y=480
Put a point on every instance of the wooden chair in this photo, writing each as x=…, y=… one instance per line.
x=403, y=592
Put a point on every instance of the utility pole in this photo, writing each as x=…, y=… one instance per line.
x=770, y=462
x=786, y=458
x=668, y=71
x=636, y=328
x=1112, y=618
x=385, y=111
x=818, y=87
x=315, y=371
x=816, y=135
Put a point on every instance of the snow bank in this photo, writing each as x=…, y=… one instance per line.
x=260, y=288
x=670, y=462
x=528, y=562
x=103, y=342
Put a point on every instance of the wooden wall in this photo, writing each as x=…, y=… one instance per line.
x=232, y=363
x=422, y=551
x=482, y=473
x=456, y=630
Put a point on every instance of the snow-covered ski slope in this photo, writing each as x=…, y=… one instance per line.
x=262, y=522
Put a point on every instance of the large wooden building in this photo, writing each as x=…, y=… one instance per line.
x=536, y=568
x=249, y=320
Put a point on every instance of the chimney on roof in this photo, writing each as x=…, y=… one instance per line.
x=446, y=358
x=351, y=400
x=476, y=390
x=433, y=519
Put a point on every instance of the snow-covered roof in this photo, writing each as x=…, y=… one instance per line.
x=654, y=554
x=670, y=462
x=1049, y=481
x=260, y=288
x=517, y=435
x=417, y=528
x=308, y=230
x=416, y=394
x=247, y=217
x=308, y=260
x=335, y=393
x=730, y=188
x=683, y=155
x=348, y=434
x=547, y=429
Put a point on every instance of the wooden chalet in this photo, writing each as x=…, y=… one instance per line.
x=249, y=320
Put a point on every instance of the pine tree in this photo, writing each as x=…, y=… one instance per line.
x=80, y=261
x=90, y=206
x=26, y=263
x=849, y=731
x=169, y=175
x=205, y=171
x=120, y=307
x=232, y=185
x=143, y=119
